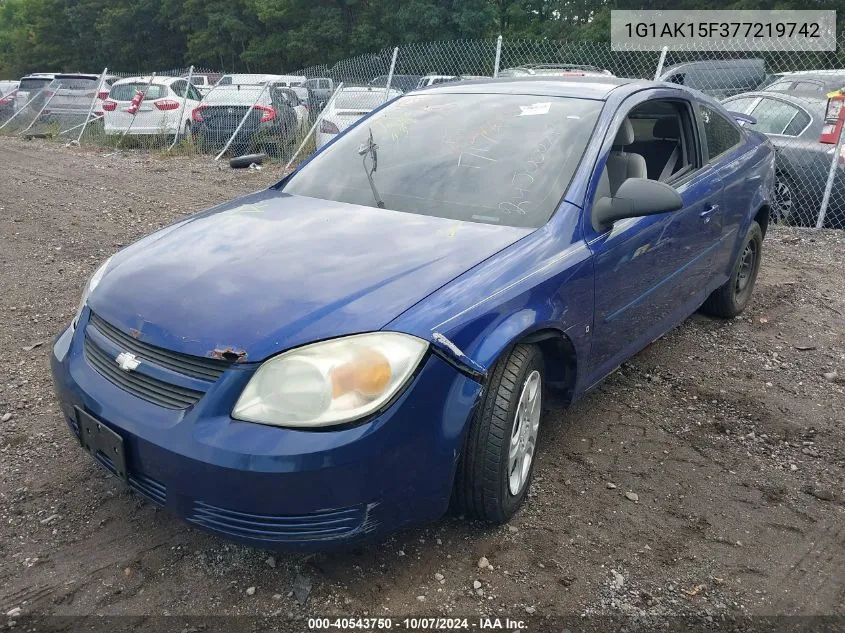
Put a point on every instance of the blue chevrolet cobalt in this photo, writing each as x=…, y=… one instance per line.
x=374, y=336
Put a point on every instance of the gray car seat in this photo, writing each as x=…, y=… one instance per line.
x=621, y=165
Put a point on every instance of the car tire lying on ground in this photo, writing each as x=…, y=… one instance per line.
x=240, y=162
x=730, y=299
x=495, y=469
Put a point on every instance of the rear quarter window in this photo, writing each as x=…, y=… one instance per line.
x=720, y=133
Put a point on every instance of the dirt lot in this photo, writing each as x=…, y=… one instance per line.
x=731, y=435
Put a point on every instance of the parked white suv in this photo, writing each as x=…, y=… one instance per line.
x=159, y=112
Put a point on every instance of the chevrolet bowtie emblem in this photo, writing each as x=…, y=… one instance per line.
x=127, y=361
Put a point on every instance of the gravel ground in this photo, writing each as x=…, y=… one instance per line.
x=705, y=477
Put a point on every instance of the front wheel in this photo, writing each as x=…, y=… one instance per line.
x=498, y=460
x=731, y=298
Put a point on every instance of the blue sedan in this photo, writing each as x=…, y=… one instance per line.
x=373, y=338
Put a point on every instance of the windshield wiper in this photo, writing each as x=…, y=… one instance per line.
x=371, y=149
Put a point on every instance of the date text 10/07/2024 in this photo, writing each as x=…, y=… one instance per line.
x=417, y=624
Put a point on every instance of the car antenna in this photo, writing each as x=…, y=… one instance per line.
x=371, y=149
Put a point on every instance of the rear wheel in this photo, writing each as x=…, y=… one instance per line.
x=784, y=199
x=731, y=298
x=495, y=469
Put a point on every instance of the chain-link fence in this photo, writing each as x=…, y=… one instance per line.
x=288, y=117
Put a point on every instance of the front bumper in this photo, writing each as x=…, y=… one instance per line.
x=276, y=487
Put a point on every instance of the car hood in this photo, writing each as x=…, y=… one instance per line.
x=271, y=271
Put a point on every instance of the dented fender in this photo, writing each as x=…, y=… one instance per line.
x=453, y=355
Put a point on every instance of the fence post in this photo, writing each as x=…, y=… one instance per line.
x=243, y=120
x=38, y=116
x=498, y=56
x=91, y=109
x=135, y=115
x=831, y=176
x=314, y=126
x=660, y=63
x=390, y=73
x=182, y=109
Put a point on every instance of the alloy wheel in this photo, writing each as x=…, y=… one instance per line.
x=523, y=441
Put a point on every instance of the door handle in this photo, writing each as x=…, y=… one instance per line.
x=705, y=215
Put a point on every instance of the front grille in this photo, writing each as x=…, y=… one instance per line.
x=152, y=389
x=209, y=369
x=320, y=525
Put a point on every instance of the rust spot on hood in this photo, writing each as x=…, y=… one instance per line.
x=228, y=353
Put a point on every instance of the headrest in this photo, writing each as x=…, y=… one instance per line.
x=625, y=135
x=667, y=128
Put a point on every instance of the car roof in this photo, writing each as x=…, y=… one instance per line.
x=806, y=101
x=366, y=89
x=715, y=64
x=164, y=79
x=811, y=73
x=593, y=87
x=76, y=76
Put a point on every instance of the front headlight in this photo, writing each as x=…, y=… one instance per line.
x=332, y=382
x=92, y=283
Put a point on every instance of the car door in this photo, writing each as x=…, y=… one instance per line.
x=649, y=271
x=723, y=145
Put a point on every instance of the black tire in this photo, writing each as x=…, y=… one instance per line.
x=731, y=298
x=239, y=162
x=483, y=479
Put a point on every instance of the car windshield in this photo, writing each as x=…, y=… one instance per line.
x=489, y=158
x=126, y=92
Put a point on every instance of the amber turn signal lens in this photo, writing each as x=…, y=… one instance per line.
x=368, y=374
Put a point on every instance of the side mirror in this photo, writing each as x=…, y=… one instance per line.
x=635, y=198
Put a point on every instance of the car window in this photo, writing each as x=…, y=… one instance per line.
x=198, y=80
x=773, y=116
x=289, y=96
x=35, y=83
x=489, y=158
x=720, y=133
x=77, y=83
x=233, y=95
x=740, y=105
x=125, y=92
x=798, y=124
x=193, y=93
x=179, y=87
x=325, y=84
x=809, y=86
x=663, y=137
x=677, y=78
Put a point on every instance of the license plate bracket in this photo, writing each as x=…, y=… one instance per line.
x=96, y=437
